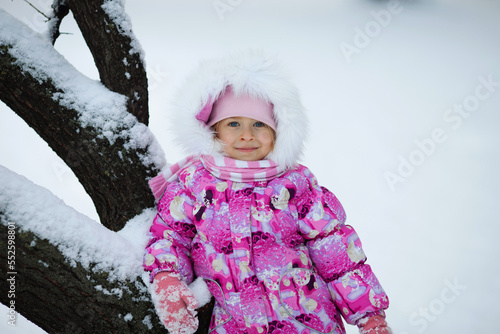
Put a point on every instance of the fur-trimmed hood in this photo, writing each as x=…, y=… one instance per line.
x=252, y=73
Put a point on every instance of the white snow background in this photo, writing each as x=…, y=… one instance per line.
x=418, y=100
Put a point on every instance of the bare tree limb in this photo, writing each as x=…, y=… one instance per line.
x=38, y=10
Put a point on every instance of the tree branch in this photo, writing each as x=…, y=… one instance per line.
x=60, y=11
x=71, y=302
x=38, y=10
x=116, y=53
x=114, y=173
x=87, y=283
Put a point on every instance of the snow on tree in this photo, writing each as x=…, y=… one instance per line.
x=72, y=274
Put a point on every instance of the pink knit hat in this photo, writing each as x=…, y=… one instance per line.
x=230, y=105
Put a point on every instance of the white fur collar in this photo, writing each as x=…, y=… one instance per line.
x=250, y=72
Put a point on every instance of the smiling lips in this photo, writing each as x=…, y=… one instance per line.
x=246, y=149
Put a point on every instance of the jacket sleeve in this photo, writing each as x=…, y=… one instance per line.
x=171, y=234
x=337, y=255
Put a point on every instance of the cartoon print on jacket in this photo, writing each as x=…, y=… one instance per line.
x=276, y=253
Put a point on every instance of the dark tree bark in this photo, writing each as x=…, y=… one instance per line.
x=113, y=176
x=52, y=293
x=118, y=61
x=61, y=298
x=118, y=189
x=60, y=11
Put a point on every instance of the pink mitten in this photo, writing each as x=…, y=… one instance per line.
x=175, y=303
x=374, y=325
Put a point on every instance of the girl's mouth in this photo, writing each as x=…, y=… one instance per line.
x=246, y=149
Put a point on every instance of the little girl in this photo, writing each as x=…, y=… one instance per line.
x=241, y=213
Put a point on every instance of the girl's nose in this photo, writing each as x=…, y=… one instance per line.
x=246, y=133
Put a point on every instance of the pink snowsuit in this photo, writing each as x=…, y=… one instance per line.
x=276, y=255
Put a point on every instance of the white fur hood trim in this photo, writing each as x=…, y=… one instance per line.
x=253, y=73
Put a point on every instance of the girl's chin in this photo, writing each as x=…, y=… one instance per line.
x=252, y=154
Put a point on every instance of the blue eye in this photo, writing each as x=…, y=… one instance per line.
x=258, y=124
x=233, y=124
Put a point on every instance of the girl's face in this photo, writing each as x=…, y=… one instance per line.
x=245, y=138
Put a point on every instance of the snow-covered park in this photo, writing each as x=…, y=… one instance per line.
x=404, y=102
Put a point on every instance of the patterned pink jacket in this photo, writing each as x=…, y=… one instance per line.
x=276, y=255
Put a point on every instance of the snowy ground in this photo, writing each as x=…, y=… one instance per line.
x=402, y=99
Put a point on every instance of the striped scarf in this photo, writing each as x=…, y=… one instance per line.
x=221, y=167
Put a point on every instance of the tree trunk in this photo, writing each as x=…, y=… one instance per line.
x=50, y=290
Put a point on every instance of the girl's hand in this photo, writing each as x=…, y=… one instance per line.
x=374, y=325
x=175, y=304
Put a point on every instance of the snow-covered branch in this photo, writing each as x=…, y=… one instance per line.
x=118, y=55
x=79, y=238
x=87, y=125
x=60, y=255
x=89, y=279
